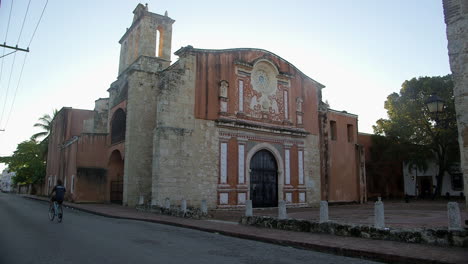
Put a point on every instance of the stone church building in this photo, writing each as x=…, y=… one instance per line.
x=223, y=126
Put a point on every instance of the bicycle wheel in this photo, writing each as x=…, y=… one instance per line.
x=59, y=213
x=51, y=213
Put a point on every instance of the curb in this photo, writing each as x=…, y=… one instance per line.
x=335, y=250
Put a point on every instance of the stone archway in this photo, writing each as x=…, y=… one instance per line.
x=279, y=169
x=115, y=171
x=263, y=179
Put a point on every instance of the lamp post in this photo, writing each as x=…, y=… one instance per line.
x=435, y=105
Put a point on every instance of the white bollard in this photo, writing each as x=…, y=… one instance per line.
x=204, y=207
x=141, y=201
x=248, y=208
x=154, y=202
x=323, y=212
x=167, y=203
x=454, y=218
x=183, y=206
x=379, y=217
x=282, y=213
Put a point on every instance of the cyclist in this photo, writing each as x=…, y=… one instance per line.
x=59, y=190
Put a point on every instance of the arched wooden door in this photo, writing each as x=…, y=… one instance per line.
x=263, y=179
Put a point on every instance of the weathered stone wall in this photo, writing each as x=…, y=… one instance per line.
x=185, y=152
x=98, y=124
x=456, y=18
x=141, y=108
x=437, y=237
x=140, y=38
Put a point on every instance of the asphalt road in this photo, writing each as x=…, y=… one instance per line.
x=27, y=236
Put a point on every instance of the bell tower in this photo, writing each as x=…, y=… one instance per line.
x=149, y=35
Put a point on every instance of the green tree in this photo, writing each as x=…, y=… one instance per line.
x=414, y=128
x=45, y=123
x=27, y=163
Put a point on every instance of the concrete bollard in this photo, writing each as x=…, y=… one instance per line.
x=141, y=201
x=167, y=203
x=323, y=212
x=183, y=206
x=379, y=217
x=204, y=207
x=248, y=208
x=454, y=217
x=282, y=213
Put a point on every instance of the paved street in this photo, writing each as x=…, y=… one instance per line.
x=27, y=236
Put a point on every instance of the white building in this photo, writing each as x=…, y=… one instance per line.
x=423, y=183
x=5, y=180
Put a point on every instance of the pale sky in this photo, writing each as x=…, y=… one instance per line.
x=362, y=50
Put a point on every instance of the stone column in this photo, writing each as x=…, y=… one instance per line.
x=323, y=212
x=282, y=213
x=248, y=208
x=379, y=218
x=454, y=218
x=456, y=19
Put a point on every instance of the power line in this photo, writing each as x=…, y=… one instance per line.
x=9, y=18
x=8, y=88
x=22, y=67
x=8, y=54
x=38, y=22
x=6, y=35
x=16, y=90
x=24, y=20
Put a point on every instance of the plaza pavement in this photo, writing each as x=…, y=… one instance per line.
x=397, y=214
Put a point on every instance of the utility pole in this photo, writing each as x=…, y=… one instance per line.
x=15, y=48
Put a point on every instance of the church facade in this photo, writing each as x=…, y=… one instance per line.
x=225, y=126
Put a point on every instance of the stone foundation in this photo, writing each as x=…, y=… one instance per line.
x=437, y=237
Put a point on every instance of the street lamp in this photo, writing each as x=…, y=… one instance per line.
x=435, y=104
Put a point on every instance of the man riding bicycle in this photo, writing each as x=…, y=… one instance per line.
x=59, y=190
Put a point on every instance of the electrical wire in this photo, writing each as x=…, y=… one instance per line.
x=6, y=35
x=22, y=67
x=16, y=91
x=38, y=22
x=8, y=88
x=24, y=20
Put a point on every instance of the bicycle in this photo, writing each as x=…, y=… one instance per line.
x=56, y=210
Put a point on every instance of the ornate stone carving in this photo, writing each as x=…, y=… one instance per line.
x=223, y=89
x=264, y=82
x=299, y=102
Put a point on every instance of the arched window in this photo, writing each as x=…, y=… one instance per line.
x=118, y=125
x=159, y=41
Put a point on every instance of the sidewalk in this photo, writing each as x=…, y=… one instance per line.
x=379, y=250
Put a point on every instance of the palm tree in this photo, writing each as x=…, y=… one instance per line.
x=45, y=122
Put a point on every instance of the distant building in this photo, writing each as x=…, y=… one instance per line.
x=6, y=181
x=223, y=126
x=423, y=183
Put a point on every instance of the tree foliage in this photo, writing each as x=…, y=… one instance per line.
x=45, y=123
x=27, y=162
x=416, y=133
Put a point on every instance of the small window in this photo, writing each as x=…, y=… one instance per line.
x=118, y=126
x=350, y=133
x=333, y=130
x=457, y=182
